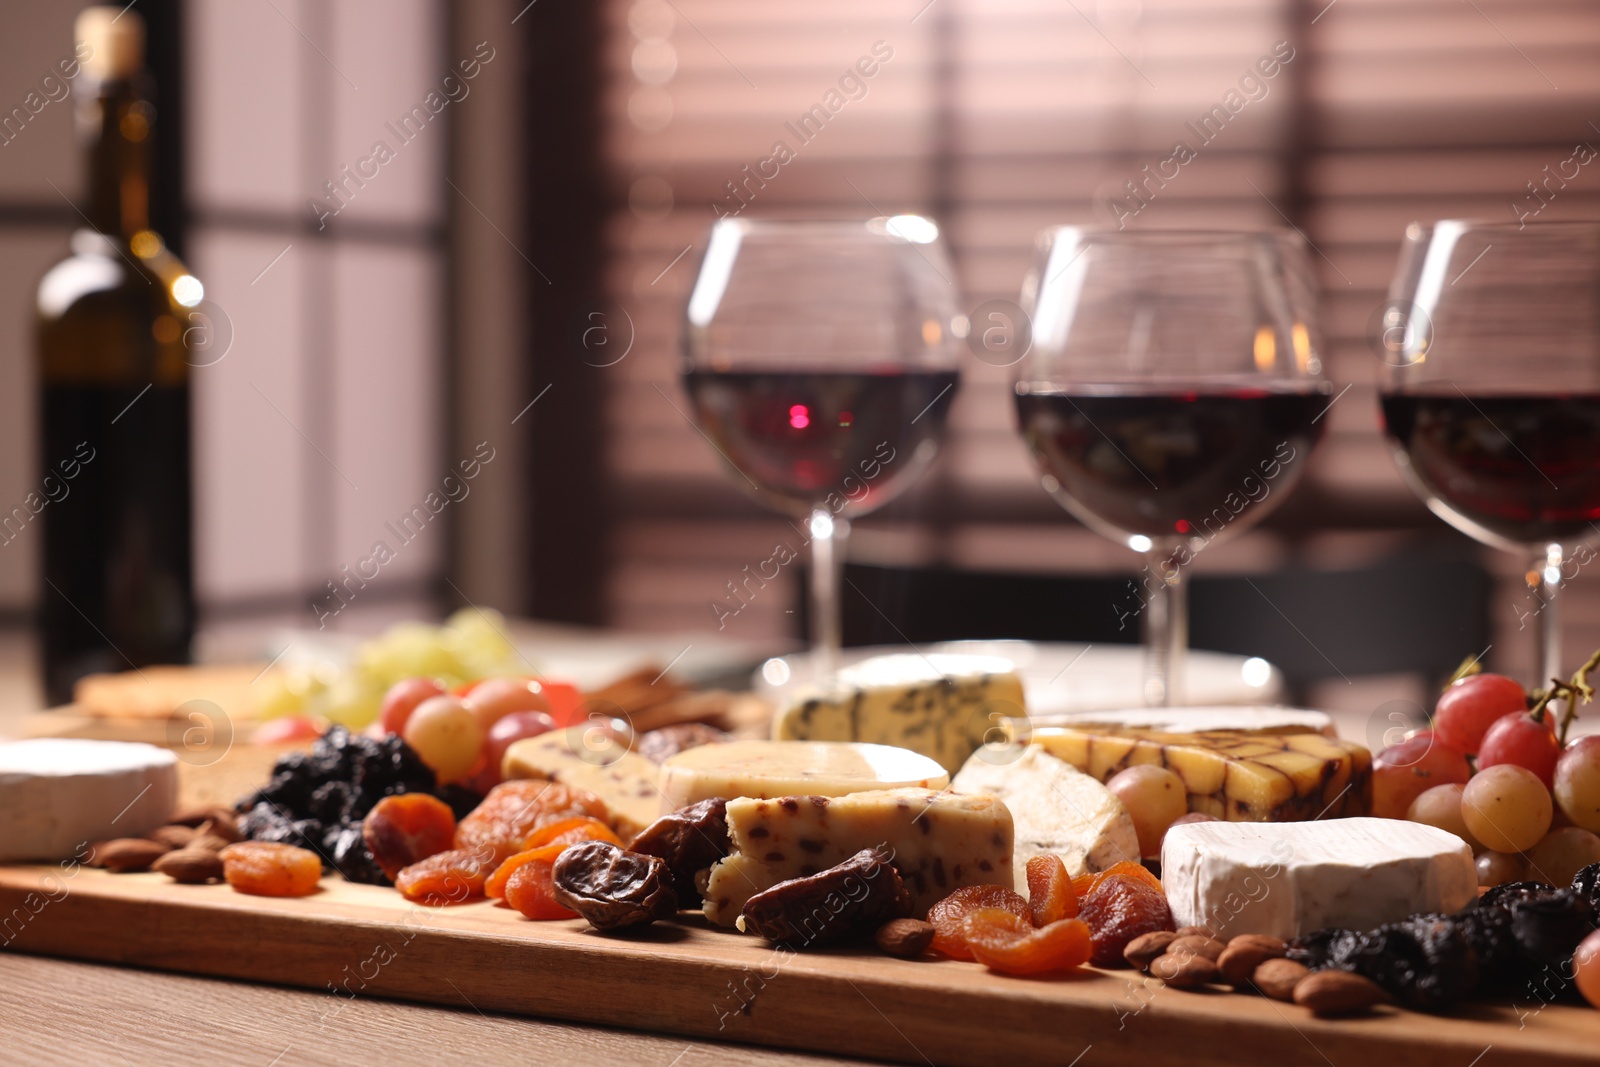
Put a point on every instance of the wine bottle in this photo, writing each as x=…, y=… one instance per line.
x=111, y=321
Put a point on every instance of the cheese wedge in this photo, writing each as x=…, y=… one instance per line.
x=587, y=757
x=58, y=794
x=1234, y=776
x=792, y=768
x=943, y=706
x=940, y=842
x=1055, y=808
x=1199, y=720
x=1290, y=879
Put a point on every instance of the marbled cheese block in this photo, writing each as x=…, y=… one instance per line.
x=940, y=841
x=1234, y=776
x=587, y=757
x=943, y=706
x=1288, y=879
x=1055, y=808
x=764, y=769
x=58, y=793
x=1197, y=720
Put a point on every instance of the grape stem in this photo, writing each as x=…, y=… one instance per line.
x=1578, y=691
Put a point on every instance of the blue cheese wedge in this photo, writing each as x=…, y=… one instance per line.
x=943, y=706
x=1288, y=879
x=766, y=769
x=940, y=842
x=1056, y=809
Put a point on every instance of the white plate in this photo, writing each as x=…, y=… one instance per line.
x=1064, y=678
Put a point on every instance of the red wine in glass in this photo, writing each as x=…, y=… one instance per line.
x=1170, y=464
x=1520, y=470
x=802, y=437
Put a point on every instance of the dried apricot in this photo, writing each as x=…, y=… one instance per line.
x=1050, y=893
x=1118, y=909
x=570, y=832
x=406, y=828
x=1082, y=884
x=513, y=810
x=271, y=869
x=1002, y=942
x=530, y=888
x=946, y=915
x=449, y=877
x=495, y=887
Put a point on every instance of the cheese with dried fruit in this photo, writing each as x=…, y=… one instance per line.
x=1233, y=776
x=1290, y=879
x=1055, y=808
x=940, y=842
x=944, y=706
x=592, y=758
x=792, y=768
x=58, y=794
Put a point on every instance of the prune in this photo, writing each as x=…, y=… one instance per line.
x=1502, y=895
x=1548, y=926
x=613, y=888
x=690, y=840
x=851, y=899
x=659, y=745
x=1587, y=883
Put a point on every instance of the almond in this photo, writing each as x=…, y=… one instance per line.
x=1184, y=970
x=1337, y=993
x=190, y=866
x=209, y=842
x=1193, y=944
x=1196, y=931
x=1144, y=949
x=1278, y=978
x=221, y=825
x=1247, y=952
x=906, y=938
x=127, y=854
x=173, y=836
x=193, y=817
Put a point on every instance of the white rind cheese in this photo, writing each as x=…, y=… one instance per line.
x=1055, y=808
x=59, y=793
x=940, y=842
x=1288, y=879
x=1200, y=720
x=766, y=769
x=944, y=706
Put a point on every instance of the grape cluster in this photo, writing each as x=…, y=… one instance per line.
x=1496, y=774
x=317, y=799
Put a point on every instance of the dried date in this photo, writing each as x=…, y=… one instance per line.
x=612, y=887
x=851, y=900
x=689, y=840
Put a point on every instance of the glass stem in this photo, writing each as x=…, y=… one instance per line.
x=1166, y=631
x=828, y=538
x=1548, y=567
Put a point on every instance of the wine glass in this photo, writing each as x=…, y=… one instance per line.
x=820, y=361
x=1491, y=392
x=1172, y=394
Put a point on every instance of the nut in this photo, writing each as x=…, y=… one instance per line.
x=1337, y=993
x=1144, y=949
x=1247, y=952
x=209, y=842
x=190, y=866
x=173, y=836
x=1196, y=931
x=1278, y=978
x=127, y=854
x=193, y=817
x=222, y=825
x=906, y=938
x=1195, y=945
x=1184, y=970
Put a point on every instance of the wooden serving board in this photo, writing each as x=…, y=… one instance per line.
x=352, y=941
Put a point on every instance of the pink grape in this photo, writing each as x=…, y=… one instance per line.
x=1577, y=782
x=494, y=698
x=1468, y=708
x=1403, y=772
x=1520, y=740
x=513, y=727
x=402, y=699
x=447, y=737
